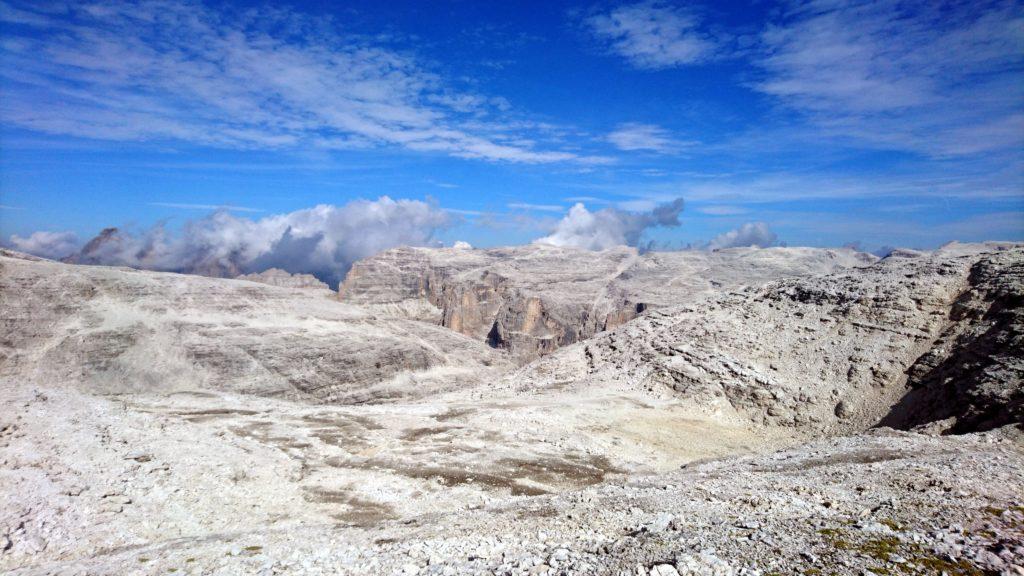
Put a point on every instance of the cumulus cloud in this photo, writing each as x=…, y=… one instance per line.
x=46, y=244
x=652, y=35
x=606, y=228
x=324, y=240
x=750, y=234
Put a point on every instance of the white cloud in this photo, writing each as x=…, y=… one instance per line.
x=184, y=71
x=635, y=136
x=591, y=199
x=227, y=207
x=750, y=234
x=638, y=204
x=722, y=210
x=936, y=78
x=323, y=240
x=538, y=207
x=607, y=228
x=652, y=35
x=46, y=244
x=982, y=180
x=441, y=184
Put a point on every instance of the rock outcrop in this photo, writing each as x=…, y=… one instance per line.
x=116, y=330
x=532, y=300
x=913, y=339
x=972, y=377
x=278, y=277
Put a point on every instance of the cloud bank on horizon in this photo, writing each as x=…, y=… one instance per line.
x=47, y=244
x=324, y=240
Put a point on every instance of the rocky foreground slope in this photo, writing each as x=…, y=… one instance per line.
x=531, y=300
x=166, y=424
x=115, y=489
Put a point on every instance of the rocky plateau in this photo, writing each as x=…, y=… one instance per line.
x=530, y=410
x=531, y=300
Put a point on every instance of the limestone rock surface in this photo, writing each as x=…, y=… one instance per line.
x=531, y=300
x=278, y=277
x=156, y=423
x=912, y=339
x=118, y=330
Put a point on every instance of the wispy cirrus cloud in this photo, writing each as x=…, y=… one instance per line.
x=208, y=207
x=722, y=210
x=537, y=207
x=251, y=79
x=441, y=184
x=652, y=35
x=587, y=199
x=634, y=136
x=938, y=78
x=748, y=190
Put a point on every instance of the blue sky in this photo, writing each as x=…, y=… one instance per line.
x=825, y=122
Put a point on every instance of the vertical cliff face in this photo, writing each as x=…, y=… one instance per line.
x=470, y=307
x=532, y=300
x=527, y=328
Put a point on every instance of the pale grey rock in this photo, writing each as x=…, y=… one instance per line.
x=139, y=456
x=278, y=277
x=266, y=457
x=116, y=330
x=531, y=300
x=659, y=523
x=8, y=253
x=829, y=352
x=971, y=376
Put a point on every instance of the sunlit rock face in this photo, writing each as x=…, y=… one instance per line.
x=532, y=300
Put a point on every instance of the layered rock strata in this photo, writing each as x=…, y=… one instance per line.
x=532, y=300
